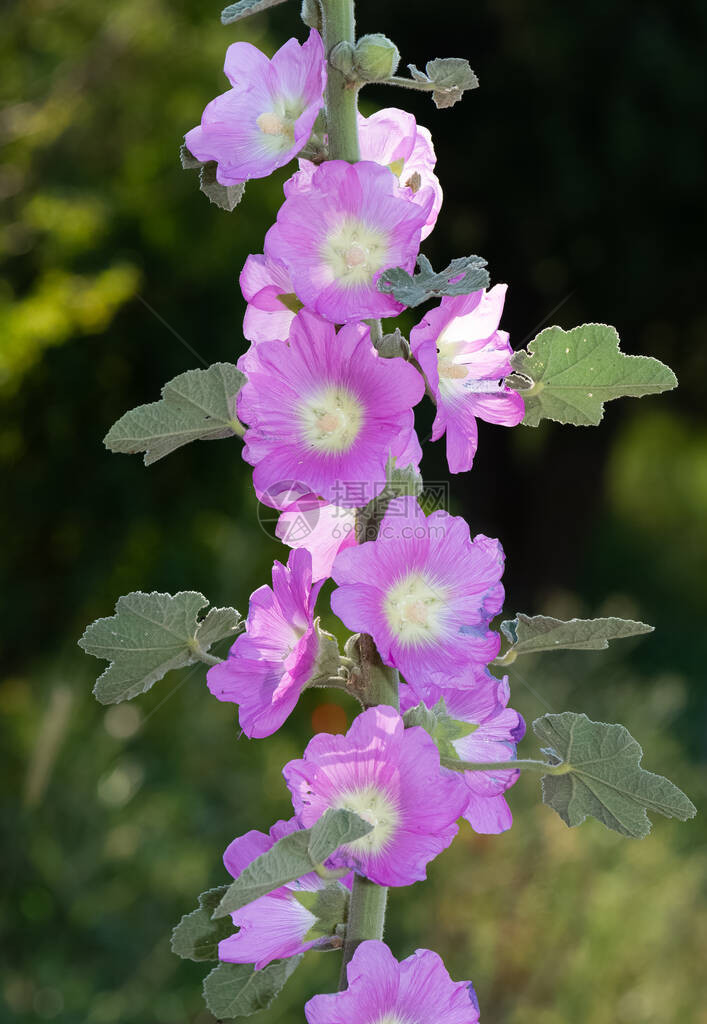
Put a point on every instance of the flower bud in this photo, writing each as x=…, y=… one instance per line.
x=311, y=14
x=376, y=57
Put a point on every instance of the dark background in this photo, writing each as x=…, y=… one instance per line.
x=577, y=171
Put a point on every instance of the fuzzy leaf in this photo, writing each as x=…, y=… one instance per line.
x=575, y=372
x=227, y=197
x=199, y=405
x=603, y=778
x=328, y=906
x=292, y=857
x=449, y=78
x=440, y=725
x=149, y=635
x=244, y=8
x=237, y=990
x=530, y=633
x=197, y=935
x=461, y=277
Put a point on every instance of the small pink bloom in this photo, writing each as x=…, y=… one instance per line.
x=380, y=990
x=392, y=138
x=267, y=116
x=424, y=591
x=482, y=701
x=271, y=663
x=275, y=925
x=339, y=234
x=265, y=283
x=321, y=528
x=465, y=359
x=389, y=776
x=325, y=412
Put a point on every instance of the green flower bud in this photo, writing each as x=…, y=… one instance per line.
x=376, y=58
x=311, y=14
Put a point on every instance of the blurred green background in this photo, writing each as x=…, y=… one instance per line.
x=577, y=170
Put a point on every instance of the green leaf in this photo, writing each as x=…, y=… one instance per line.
x=530, y=633
x=227, y=197
x=461, y=277
x=575, y=372
x=602, y=777
x=151, y=634
x=393, y=345
x=199, y=405
x=449, y=78
x=237, y=990
x=197, y=936
x=440, y=725
x=328, y=905
x=244, y=8
x=292, y=857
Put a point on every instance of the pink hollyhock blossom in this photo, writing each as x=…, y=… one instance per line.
x=325, y=410
x=482, y=701
x=322, y=529
x=391, y=777
x=418, y=990
x=274, y=925
x=337, y=236
x=265, y=283
x=267, y=116
x=424, y=591
x=392, y=138
x=465, y=359
x=271, y=663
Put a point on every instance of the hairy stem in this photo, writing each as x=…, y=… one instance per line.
x=367, y=905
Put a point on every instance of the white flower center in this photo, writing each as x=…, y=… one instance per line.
x=331, y=420
x=414, y=608
x=377, y=808
x=354, y=251
x=278, y=124
x=273, y=124
x=450, y=364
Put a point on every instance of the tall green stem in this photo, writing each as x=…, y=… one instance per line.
x=367, y=905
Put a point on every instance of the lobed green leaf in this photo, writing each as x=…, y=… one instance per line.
x=244, y=8
x=197, y=935
x=463, y=276
x=530, y=633
x=237, y=990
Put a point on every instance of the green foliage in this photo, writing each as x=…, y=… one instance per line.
x=244, y=8
x=448, y=77
x=440, y=725
x=602, y=776
x=292, y=857
x=199, y=405
x=329, y=906
x=375, y=57
x=530, y=633
x=463, y=276
x=149, y=636
x=227, y=197
x=237, y=990
x=197, y=935
x=574, y=372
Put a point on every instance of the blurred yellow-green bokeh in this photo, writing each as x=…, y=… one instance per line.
x=577, y=170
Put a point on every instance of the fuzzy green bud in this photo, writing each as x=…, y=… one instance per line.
x=376, y=58
x=311, y=14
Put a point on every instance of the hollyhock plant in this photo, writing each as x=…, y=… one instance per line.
x=381, y=990
x=480, y=700
x=272, y=303
x=327, y=411
x=465, y=358
x=391, y=777
x=275, y=925
x=424, y=591
x=267, y=116
x=270, y=664
x=392, y=138
x=337, y=236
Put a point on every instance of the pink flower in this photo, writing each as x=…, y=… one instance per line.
x=265, y=283
x=391, y=777
x=337, y=237
x=271, y=663
x=267, y=116
x=418, y=990
x=480, y=700
x=322, y=529
x=465, y=359
x=392, y=138
x=275, y=925
x=424, y=591
x=325, y=411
